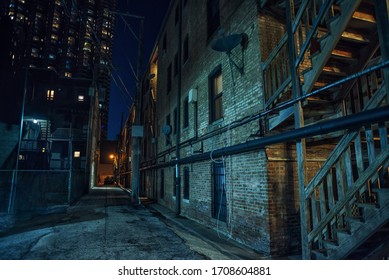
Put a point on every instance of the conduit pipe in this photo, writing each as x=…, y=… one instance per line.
x=349, y=122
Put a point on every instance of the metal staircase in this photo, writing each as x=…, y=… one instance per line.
x=337, y=48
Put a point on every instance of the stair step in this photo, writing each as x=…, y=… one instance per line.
x=354, y=37
x=382, y=195
x=334, y=71
x=331, y=244
x=368, y=205
x=317, y=100
x=343, y=55
x=320, y=254
x=344, y=232
x=364, y=16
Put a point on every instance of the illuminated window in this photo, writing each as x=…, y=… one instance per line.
x=50, y=94
x=34, y=52
x=77, y=154
x=71, y=40
x=68, y=74
x=216, y=95
x=81, y=98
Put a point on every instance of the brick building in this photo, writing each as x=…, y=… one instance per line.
x=241, y=142
x=55, y=80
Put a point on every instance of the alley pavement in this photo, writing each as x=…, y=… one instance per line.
x=103, y=225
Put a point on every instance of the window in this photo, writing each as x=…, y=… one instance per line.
x=162, y=184
x=169, y=78
x=77, y=154
x=177, y=16
x=186, y=49
x=175, y=116
x=186, y=112
x=164, y=43
x=216, y=95
x=213, y=16
x=186, y=183
x=168, y=124
x=50, y=94
x=174, y=183
x=176, y=64
x=219, y=198
x=81, y=98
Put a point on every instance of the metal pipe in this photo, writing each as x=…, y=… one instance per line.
x=348, y=122
x=280, y=107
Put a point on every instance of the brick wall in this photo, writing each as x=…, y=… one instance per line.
x=261, y=187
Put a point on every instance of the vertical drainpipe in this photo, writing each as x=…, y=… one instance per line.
x=178, y=124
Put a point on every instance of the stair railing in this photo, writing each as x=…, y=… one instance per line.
x=276, y=71
x=351, y=171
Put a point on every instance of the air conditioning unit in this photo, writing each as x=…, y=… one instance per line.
x=192, y=95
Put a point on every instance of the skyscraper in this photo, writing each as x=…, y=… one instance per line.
x=72, y=37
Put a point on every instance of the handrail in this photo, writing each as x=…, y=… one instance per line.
x=275, y=51
x=276, y=80
x=323, y=10
x=341, y=147
x=382, y=159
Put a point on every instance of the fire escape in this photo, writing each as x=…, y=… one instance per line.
x=333, y=62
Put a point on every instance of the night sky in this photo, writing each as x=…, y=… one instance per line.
x=125, y=53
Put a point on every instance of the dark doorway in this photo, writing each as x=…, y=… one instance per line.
x=219, y=209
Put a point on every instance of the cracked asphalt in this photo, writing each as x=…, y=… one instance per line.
x=101, y=226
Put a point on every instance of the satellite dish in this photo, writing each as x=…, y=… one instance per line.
x=166, y=129
x=227, y=43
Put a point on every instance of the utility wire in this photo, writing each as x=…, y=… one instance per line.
x=95, y=37
x=129, y=28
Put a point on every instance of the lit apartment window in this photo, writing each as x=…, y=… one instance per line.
x=216, y=95
x=77, y=154
x=50, y=94
x=81, y=98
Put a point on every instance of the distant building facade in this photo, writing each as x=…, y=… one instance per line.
x=72, y=37
x=57, y=59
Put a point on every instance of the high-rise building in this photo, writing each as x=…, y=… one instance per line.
x=72, y=37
